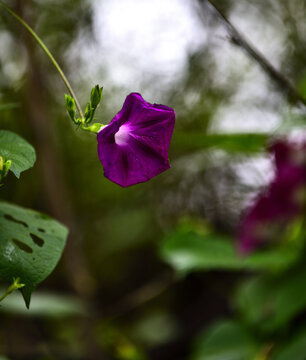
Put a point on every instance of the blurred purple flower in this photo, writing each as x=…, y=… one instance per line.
x=133, y=148
x=281, y=202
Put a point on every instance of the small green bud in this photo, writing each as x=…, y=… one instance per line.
x=96, y=96
x=70, y=106
x=89, y=112
x=6, y=166
x=69, y=101
x=15, y=286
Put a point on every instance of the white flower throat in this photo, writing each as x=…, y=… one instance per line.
x=122, y=135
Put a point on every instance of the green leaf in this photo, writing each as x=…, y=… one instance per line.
x=294, y=350
x=189, y=251
x=16, y=149
x=226, y=340
x=155, y=328
x=269, y=303
x=31, y=245
x=10, y=106
x=237, y=143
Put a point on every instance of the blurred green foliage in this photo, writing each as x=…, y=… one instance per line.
x=189, y=251
x=109, y=296
x=226, y=340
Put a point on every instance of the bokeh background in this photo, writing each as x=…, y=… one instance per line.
x=120, y=290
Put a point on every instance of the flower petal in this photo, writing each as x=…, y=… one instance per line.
x=280, y=202
x=133, y=148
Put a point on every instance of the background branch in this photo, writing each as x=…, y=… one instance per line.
x=282, y=83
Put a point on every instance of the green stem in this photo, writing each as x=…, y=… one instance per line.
x=15, y=286
x=48, y=53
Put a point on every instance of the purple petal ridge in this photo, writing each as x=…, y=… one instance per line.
x=133, y=148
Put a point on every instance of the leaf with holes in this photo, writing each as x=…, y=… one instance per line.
x=31, y=244
x=15, y=148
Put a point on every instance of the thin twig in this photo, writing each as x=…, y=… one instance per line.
x=238, y=39
x=140, y=296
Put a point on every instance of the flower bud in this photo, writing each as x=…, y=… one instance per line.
x=70, y=106
x=6, y=166
x=96, y=96
x=89, y=112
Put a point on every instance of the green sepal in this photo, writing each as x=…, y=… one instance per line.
x=70, y=106
x=94, y=128
x=96, y=96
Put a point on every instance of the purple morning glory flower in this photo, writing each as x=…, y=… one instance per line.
x=281, y=202
x=133, y=148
